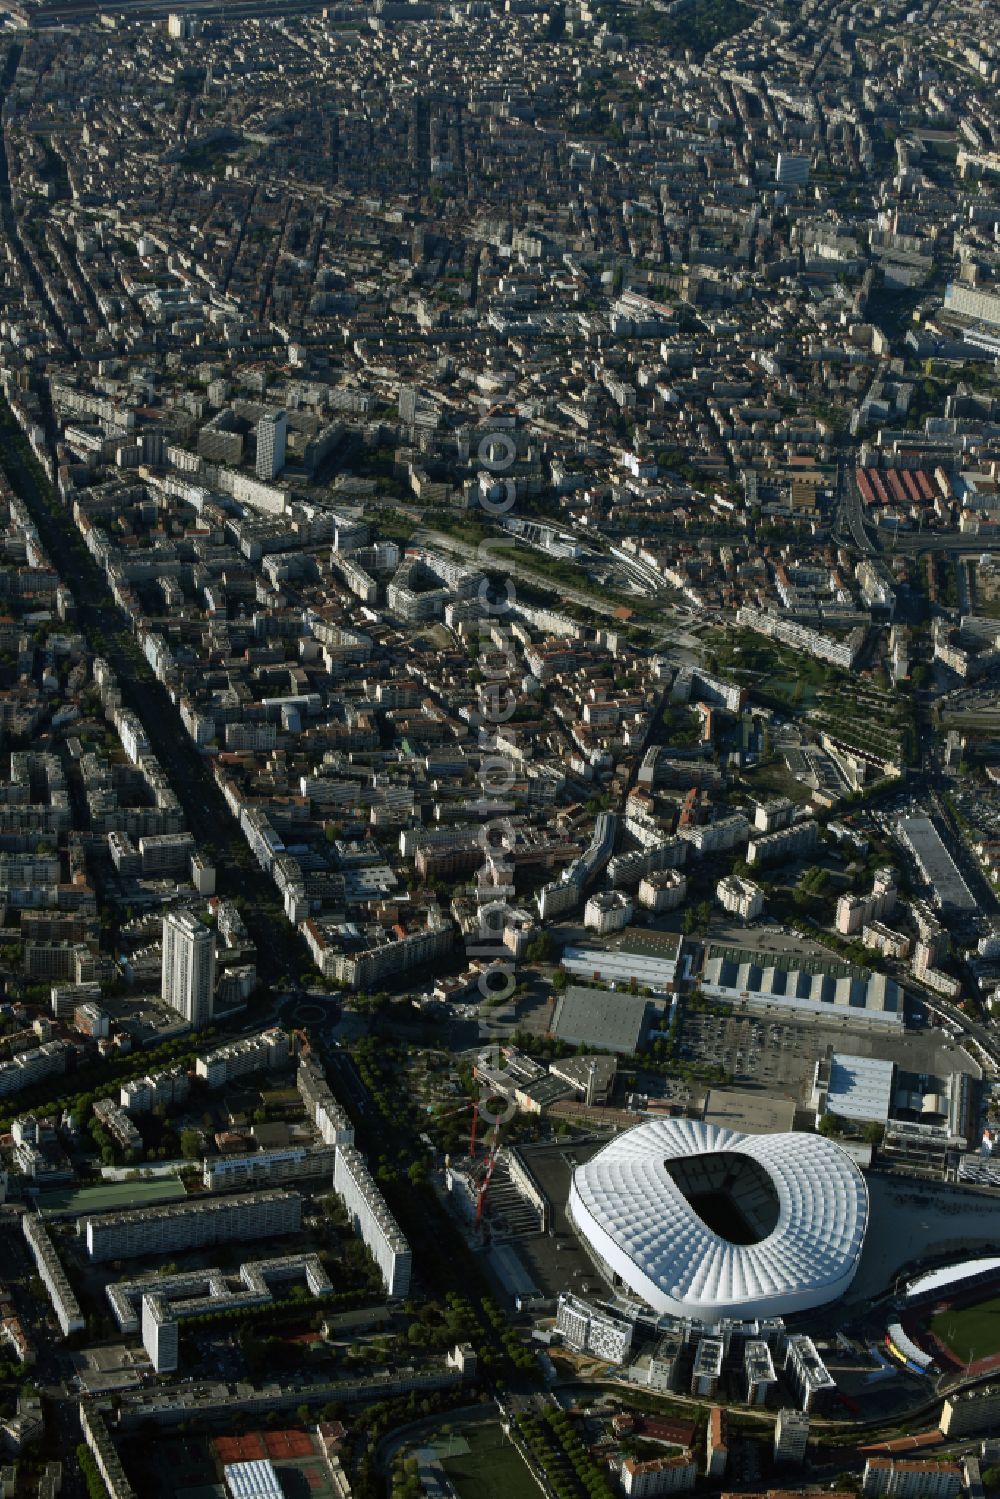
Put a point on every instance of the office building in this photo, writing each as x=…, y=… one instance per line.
x=664, y=1371
x=372, y=1220
x=593, y=1329
x=272, y=431
x=758, y=1370
x=188, y=982
x=707, y=1367
x=806, y=1372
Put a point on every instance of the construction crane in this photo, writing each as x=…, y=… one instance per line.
x=493, y=1150
x=491, y=1162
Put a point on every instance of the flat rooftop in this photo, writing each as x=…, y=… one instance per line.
x=936, y=863
x=605, y=1018
x=754, y=1113
x=860, y=1087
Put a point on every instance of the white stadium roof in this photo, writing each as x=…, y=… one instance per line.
x=789, y=1214
x=255, y=1479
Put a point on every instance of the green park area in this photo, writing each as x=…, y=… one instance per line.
x=971, y=1332
x=490, y=1467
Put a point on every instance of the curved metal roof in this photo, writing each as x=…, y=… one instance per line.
x=628, y=1205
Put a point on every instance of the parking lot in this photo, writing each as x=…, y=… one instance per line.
x=772, y=1053
x=556, y=1262
x=753, y=1049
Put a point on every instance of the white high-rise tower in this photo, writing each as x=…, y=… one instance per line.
x=188, y=983
x=272, y=430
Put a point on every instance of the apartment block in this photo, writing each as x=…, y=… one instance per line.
x=157, y=1089
x=911, y=1479
x=968, y=1411
x=740, y=897
x=660, y=1475
x=30, y=1067
x=54, y=1278
x=378, y=1229
x=191, y=1225
x=119, y=1126
x=328, y=1116
x=267, y=1167
x=786, y=843
x=251, y=1054
x=791, y=1434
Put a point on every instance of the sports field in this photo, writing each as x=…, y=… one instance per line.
x=113, y=1196
x=491, y=1469
x=971, y=1332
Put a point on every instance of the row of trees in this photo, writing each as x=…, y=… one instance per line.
x=515, y=1350
x=557, y=1450
x=95, y=1483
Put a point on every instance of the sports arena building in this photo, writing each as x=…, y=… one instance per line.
x=704, y=1222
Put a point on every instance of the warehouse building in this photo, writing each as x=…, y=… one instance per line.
x=763, y=981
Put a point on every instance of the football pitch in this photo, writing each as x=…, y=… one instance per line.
x=491, y=1469
x=971, y=1332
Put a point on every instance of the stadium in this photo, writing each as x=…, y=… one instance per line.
x=705, y=1222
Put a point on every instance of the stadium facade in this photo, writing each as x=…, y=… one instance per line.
x=704, y=1222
